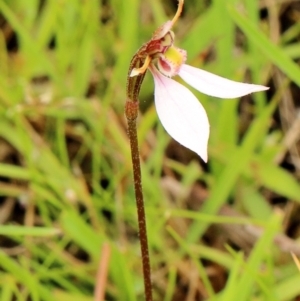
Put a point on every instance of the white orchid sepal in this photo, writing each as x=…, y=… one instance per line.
x=181, y=114
x=215, y=85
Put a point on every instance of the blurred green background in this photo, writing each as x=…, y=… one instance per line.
x=217, y=231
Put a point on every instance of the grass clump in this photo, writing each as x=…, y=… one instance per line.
x=221, y=231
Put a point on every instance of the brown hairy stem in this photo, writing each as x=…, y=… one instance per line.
x=131, y=112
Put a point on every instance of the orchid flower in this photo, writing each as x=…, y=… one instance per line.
x=179, y=111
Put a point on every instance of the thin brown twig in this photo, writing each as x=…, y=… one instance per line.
x=99, y=293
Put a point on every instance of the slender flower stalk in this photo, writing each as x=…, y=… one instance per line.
x=131, y=109
x=131, y=113
x=179, y=111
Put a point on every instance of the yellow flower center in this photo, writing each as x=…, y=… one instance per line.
x=174, y=55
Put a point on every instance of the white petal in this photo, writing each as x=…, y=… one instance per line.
x=181, y=114
x=215, y=85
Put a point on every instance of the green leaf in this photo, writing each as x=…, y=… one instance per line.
x=28, y=231
x=276, y=179
x=273, y=52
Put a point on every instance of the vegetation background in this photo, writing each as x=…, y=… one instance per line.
x=218, y=231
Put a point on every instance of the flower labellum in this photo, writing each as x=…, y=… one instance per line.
x=179, y=111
